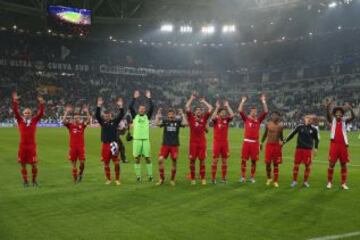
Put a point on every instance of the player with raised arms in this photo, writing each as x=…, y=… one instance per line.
x=171, y=142
x=76, y=128
x=339, y=141
x=273, y=153
x=27, y=146
x=141, y=134
x=109, y=148
x=198, y=125
x=221, y=118
x=251, y=147
x=306, y=148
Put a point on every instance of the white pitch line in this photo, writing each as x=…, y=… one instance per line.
x=340, y=236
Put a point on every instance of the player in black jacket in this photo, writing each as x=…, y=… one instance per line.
x=306, y=142
x=123, y=129
x=170, y=143
x=110, y=148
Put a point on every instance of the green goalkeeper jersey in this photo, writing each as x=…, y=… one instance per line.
x=141, y=127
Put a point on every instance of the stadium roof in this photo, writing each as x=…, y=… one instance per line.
x=140, y=11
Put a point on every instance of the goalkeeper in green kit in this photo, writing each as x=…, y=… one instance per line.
x=141, y=138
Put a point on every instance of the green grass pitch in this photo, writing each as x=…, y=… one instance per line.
x=91, y=210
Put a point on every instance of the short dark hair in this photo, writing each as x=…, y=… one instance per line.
x=107, y=112
x=338, y=109
x=253, y=107
x=221, y=109
x=171, y=110
x=277, y=113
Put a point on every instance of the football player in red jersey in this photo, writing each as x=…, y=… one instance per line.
x=339, y=141
x=76, y=129
x=221, y=119
x=197, y=123
x=251, y=147
x=27, y=146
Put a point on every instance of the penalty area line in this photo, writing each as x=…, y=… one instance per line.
x=340, y=236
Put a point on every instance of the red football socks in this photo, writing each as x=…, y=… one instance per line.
x=107, y=172
x=24, y=174
x=202, y=169
x=34, y=171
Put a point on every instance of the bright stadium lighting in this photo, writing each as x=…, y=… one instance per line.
x=186, y=29
x=332, y=4
x=208, y=29
x=167, y=28
x=228, y=29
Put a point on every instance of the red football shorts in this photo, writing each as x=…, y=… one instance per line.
x=106, y=154
x=197, y=151
x=303, y=156
x=165, y=151
x=221, y=149
x=338, y=151
x=77, y=153
x=273, y=153
x=27, y=154
x=250, y=150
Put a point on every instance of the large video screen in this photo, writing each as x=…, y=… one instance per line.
x=70, y=15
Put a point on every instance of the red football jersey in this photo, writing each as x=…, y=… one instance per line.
x=339, y=136
x=76, y=132
x=252, y=126
x=221, y=127
x=197, y=127
x=27, y=128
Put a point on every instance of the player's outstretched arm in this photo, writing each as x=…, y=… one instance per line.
x=264, y=137
x=263, y=101
x=352, y=117
x=184, y=121
x=15, y=106
x=291, y=135
x=88, y=116
x=217, y=107
x=329, y=115
x=65, y=120
x=242, y=103
x=100, y=103
x=241, y=108
x=132, y=103
x=208, y=105
x=281, y=135
x=158, y=117
x=315, y=136
x=41, y=110
x=189, y=102
x=120, y=115
x=151, y=104
x=229, y=109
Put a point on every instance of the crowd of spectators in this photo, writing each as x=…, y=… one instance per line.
x=292, y=95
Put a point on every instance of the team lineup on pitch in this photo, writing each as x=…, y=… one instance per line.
x=307, y=140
